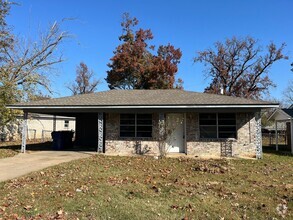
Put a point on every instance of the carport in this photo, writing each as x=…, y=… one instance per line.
x=89, y=119
x=283, y=115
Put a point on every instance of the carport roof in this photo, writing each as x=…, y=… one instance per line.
x=143, y=98
x=288, y=111
x=283, y=114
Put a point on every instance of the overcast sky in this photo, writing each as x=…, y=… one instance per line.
x=192, y=26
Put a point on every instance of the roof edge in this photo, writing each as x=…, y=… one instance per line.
x=144, y=106
x=279, y=110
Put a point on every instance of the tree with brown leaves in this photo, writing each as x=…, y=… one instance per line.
x=134, y=64
x=84, y=82
x=240, y=67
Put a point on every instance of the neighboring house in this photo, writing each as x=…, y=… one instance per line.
x=136, y=121
x=284, y=115
x=281, y=128
x=39, y=126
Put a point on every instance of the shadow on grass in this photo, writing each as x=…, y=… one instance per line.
x=44, y=146
x=284, y=150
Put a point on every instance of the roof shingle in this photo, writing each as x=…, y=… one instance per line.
x=144, y=97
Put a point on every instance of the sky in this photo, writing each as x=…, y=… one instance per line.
x=191, y=25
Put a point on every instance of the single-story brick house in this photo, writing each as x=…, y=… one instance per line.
x=134, y=121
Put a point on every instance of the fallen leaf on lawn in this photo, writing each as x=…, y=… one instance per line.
x=282, y=208
x=289, y=186
x=156, y=189
x=174, y=206
x=28, y=207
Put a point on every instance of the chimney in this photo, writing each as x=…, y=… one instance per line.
x=222, y=90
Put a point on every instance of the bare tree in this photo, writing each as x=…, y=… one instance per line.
x=25, y=65
x=84, y=81
x=288, y=93
x=240, y=67
x=28, y=64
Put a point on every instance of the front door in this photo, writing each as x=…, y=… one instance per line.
x=175, y=133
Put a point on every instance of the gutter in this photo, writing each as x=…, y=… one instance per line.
x=143, y=106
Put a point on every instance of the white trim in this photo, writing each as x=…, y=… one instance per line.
x=144, y=106
x=281, y=112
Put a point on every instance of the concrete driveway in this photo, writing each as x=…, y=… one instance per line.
x=23, y=164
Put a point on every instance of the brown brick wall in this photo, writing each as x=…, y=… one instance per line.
x=116, y=145
x=243, y=146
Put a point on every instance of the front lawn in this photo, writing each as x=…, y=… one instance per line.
x=11, y=148
x=104, y=187
x=8, y=149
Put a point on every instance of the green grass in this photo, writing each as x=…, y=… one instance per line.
x=104, y=187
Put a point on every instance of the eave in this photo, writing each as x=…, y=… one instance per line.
x=24, y=107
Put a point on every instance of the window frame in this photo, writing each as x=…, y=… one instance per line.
x=218, y=126
x=66, y=124
x=136, y=125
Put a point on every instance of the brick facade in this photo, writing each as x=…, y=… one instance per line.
x=114, y=144
x=244, y=145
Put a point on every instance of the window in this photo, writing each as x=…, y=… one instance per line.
x=217, y=125
x=66, y=124
x=136, y=125
x=127, y=125
x=227, y=125
x=208, y=125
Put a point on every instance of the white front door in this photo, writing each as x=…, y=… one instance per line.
x=175, y=133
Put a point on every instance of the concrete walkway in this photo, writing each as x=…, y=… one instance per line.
x=23, y=164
